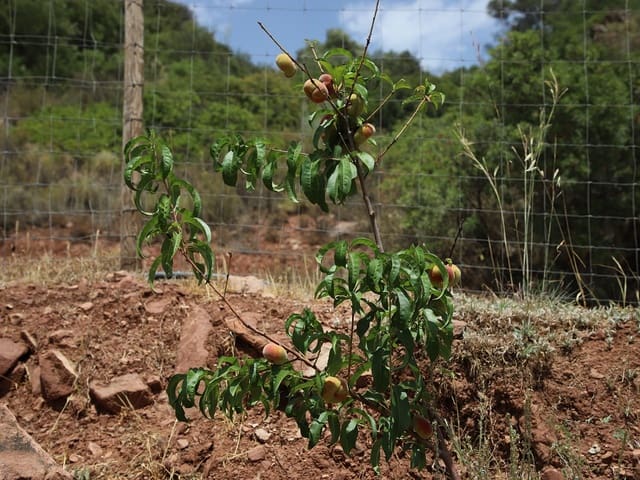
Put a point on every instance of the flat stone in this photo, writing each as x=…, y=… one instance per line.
x=158, y=306
x=262, y=435
x=257, y=453
x=10, y=354
x=95, y=449
x=194, y=339
x=552, y=474
x=126, y=391
x=21, y=458
x=57, y=375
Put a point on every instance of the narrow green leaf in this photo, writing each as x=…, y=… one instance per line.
x=349, y=435
x=339, y=185
x=334, y=426
x=174, y=397
x=148, y=232
x=230, y=169
x=166, y=161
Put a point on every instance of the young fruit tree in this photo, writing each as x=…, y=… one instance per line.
x=375, y=382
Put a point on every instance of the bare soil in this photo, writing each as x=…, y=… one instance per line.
x=567, y=398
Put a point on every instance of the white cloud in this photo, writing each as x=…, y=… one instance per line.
x=443, y=34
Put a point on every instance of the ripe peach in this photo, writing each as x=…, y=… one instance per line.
x=365, y=131
x=327, y=80
x=315, y=90
x=457, y=275
x=334, y=390
x=422, y=427
x=275, y=353
x=286, y=64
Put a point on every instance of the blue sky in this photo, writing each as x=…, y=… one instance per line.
x=442, y=34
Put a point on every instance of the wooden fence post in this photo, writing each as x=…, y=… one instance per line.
x=132, y=122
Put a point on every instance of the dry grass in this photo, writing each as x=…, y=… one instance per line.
x=55, y=270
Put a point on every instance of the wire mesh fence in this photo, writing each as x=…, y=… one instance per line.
x=527, y=177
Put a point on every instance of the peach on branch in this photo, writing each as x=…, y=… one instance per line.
x=355, y=105
x=422, y=427
x=275, y=353
x=315, y=90
x=286, y=64
x=327, y=80
x=453, y=273
x=363, y=133
x=334, y=390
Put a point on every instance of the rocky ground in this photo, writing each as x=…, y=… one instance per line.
x=545, y=391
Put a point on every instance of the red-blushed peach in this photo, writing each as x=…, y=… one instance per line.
x=363, y=133
x=275, y=353
x=315, y=90
x=334, y=390
x=422, y=427
x=327, y=80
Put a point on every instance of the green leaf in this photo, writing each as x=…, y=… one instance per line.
x=339, y=185
x=293, y=163
x=198, y=226
x=374, y=457
x=349, y=435
x=166, y=161
x=315, y=432
x=312, y=182
x=400, y=410
x=342, y=52
x=267, y=176
x=148, y=232
x=341, y=247
x=380, y=369
x=230, y=168
x=333, y=420
x=418, y=457
x=174, y=397
x=367, y=160
x=153, y=268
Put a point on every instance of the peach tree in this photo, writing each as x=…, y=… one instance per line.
x=376, y=380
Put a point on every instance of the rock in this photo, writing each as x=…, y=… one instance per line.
x=257, y=454
x=62, y=338
x=262, y=435
x=182, y=443
x=21, y=457
x=57, y=375
x=321, y=361
x=10, y=354
x=86, y=306
x=30, y=340
x=458, y=328
x=551, y=474
x=36, y=385
x=125, y=391
x=194, y=338
x=95, y=449
x=157, y=307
